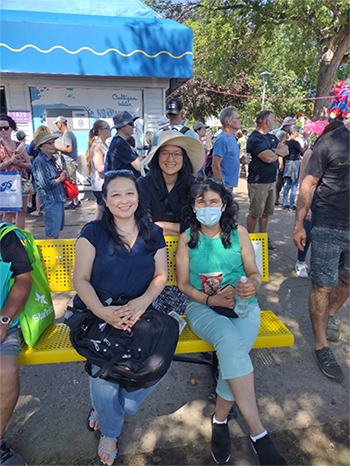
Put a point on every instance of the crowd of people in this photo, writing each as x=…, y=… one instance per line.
x=139, y=199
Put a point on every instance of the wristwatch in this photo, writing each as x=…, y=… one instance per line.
x=5, y=320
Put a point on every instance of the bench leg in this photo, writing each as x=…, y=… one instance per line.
x=192, y=360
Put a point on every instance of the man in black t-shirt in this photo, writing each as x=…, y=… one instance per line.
x=328, y=176
x=264, y=149
x=13, y=252
x=121, y=156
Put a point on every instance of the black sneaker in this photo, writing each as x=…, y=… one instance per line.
x=285, y=207
x=270, y=244
x=266, y=451
x=8, y=457
x=328, y=364
x=30, y=209
x=220, y=443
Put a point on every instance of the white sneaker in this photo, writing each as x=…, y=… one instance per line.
x=35, y=213
x=300, y=269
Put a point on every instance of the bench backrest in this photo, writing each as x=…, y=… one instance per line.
x=58, y=257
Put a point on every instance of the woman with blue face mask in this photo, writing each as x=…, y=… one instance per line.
x=212, y=253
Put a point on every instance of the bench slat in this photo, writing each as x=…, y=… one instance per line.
x=54, y=345
x=58, y=258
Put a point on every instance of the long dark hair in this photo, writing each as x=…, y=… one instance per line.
x=107, y=221
x=183, y=182
x=228, y=220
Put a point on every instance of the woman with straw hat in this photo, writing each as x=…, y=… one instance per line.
x=173, y=163
x=49, y=184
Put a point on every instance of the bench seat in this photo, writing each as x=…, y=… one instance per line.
x=54, y=345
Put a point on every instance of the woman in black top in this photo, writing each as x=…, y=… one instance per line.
x=173, y=164
x=291, y=168
x=165, y=188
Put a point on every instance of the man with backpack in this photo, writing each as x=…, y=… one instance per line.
x=174, y=111
x=15, y=264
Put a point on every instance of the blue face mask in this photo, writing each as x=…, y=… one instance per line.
x=208, y=216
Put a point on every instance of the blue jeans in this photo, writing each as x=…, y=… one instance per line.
x=302, y=254
x=293, y=186
x=53, y=218
x=111, y=402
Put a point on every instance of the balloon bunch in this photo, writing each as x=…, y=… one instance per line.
x=341, y=100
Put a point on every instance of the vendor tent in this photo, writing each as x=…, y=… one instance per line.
x=92, y=38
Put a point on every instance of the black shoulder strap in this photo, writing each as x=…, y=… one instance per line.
x=184, y=130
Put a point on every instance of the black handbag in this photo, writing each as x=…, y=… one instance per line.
x=135, y=359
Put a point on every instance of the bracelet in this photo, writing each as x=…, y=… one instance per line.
x=206, y=302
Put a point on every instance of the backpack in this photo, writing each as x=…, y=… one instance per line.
x=133, y=360
x=38, y=312
x=183, y=130
x=208, y=169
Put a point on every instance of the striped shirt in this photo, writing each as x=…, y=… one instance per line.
x=45, y=173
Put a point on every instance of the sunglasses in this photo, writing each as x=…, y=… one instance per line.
x=131, y=123
x=50, y=143
x=107, y=127
x=4, y=128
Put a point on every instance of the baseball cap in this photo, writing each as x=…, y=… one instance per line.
x=173, y=106
x=293, y=128
x=288, y=121
x=122, y=119
x=199, y=125
x=20, y=135
x=60, y=119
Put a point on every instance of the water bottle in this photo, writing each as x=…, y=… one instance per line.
x=241, y=308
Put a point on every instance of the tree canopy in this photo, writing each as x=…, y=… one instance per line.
x=304, y=44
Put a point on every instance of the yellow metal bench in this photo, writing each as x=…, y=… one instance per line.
x=54, y=345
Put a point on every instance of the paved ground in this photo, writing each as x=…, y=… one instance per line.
x=307, y=413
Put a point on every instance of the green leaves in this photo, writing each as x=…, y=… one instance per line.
x=295, y=40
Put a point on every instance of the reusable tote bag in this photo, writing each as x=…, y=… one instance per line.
x=38, y=313
x=11, y=192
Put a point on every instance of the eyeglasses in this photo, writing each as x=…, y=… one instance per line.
x=176, y=155
x=4, y=128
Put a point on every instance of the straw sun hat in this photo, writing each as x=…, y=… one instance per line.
x=194, y=149
x=43, y=137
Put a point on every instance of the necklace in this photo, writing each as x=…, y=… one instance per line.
x=129, y=237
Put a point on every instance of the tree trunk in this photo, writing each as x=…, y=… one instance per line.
x=330, y=62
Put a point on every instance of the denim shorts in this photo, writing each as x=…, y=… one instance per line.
x=53, y=218
x=10, y=346
x=330, y=255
